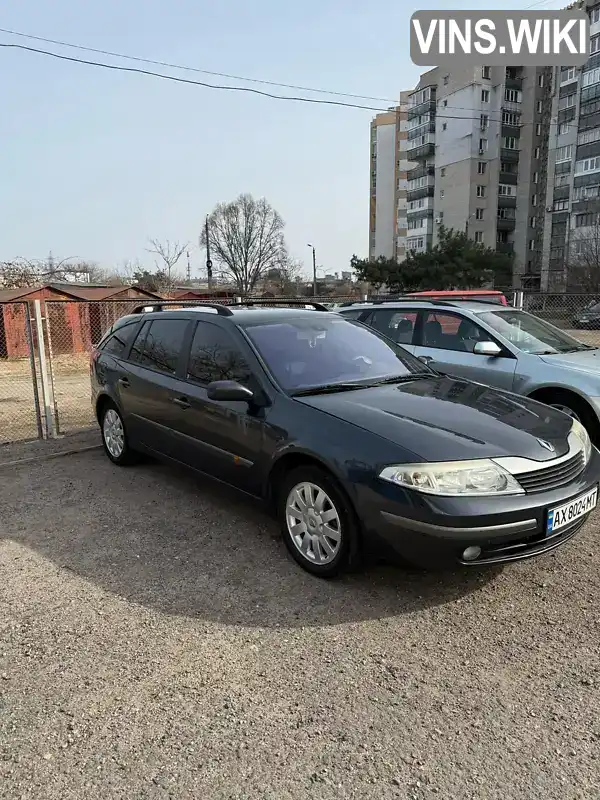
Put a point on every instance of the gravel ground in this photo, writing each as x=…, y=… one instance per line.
x=157, y=642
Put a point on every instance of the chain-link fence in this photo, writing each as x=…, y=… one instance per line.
x=45, y=391
x=20, y=417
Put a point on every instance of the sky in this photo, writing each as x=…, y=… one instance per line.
x=94, y=162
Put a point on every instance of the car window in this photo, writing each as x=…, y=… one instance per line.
x=160, y=346
x=451, y=332
x=398, y=325
x=354, y=314
x=215, y=356
x=313, y=352
x=118, y=342
x=529, y=333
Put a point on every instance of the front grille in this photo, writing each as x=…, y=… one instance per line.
x=542, y=480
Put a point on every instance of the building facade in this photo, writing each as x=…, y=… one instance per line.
x=388, y=181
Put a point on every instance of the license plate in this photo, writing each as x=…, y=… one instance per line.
x=565, y=515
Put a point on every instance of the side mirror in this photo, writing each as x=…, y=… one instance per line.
x=229, y=390
x=489, y=349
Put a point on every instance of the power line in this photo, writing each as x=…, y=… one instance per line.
x=248, y=89
x=194, y=69
x=120, y=68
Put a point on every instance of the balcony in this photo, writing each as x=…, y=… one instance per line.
x=421, y=148
x=507, y=201
x=508, y=177
x=510, y=105
x=426, y=107
x=513, y=82
x=507, y=154
x=425, y=208
x=505, y=247
x=421, y=171
x=505, y=223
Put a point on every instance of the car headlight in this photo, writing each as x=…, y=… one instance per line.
x=480, y=478
x=584, y=437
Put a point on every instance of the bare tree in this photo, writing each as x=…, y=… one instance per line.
x=246, y=240
x=167, y=256
x=19, y=273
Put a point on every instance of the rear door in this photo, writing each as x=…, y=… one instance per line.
x=151, y=380
x=446, y=343
x=398, y=324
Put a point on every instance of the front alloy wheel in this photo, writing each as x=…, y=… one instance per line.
x=114, y=437
x=318, y=523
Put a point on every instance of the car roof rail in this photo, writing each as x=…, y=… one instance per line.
x=266, y=301
x=221, y=309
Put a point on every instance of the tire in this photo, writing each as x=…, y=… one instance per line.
x=116, y=446
x=577, y=408
x=321, y=554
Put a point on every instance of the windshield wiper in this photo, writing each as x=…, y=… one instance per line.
x=413, y=376
x=580, y=348
x=328, y=388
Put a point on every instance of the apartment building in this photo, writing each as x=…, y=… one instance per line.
x=572, y=225
x=388, y=169
x=479, y=137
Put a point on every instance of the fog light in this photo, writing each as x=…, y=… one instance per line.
x=471, y=553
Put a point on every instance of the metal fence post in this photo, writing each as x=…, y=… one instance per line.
x=46, y=391
x=36, y=394
x=51, y=367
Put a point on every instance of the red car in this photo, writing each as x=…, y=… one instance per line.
x=490, y=295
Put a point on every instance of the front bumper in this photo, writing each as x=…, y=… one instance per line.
x=433, y=532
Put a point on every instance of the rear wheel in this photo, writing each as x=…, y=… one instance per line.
x=318, y=524
x=114, y=437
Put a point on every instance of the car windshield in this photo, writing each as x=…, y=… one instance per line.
x=303, y=353
x=531, y=334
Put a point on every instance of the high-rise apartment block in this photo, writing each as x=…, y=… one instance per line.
x=387, y=217
x=510, y=155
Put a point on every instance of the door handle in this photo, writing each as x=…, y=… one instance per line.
x=124, y=383
x=182, y=402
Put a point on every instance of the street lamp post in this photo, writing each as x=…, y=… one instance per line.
x=314, y=270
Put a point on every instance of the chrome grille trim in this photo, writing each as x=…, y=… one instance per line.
x=516, y=466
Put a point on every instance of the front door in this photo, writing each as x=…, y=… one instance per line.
x=447, y=345
x=223, y=439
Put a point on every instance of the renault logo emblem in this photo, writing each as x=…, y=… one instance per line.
x=546, y=445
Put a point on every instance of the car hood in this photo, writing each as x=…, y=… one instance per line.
x=586, y=361
x=446, y=419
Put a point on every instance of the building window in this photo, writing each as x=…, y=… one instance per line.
x=444, y=126
x=532, y=244
x=540, y=106
x=481, y=191
x=586, y=137
x=536, y=152
x=535, y=177
x=510, y=118
x=445, y=103
x=479, y=237
x=586, y=220
x=443, y=172
x=506, y=190
x=486, y=73
x=441, y=192
x=512, y=95
x=588, y=165
x=445, y=80
x=591, y=77
x=479, y=213
x=564, y=153
x=483, y=145
x=532, y=222
x=481, y=167
x=561, y=205
x=563, y=128
x=567, y=102
x=484, y=121
x=510, y=142
x=594, y=45
x=540, y=80
x=538, y=129
x=568, y=74
x=485, y=95
x=534, y=199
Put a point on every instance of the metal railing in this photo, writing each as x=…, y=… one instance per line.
x=45, y=352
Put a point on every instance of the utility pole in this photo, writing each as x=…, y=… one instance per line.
x=314, y=259
x=189, y=267
x=209, y=274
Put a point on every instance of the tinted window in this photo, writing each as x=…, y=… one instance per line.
x=118, y=343
x=138, y=345
x=162, y=345
x=398, y=325
x=312, y=352
x=352, y=314
x=451, y=332
x=214, y=356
